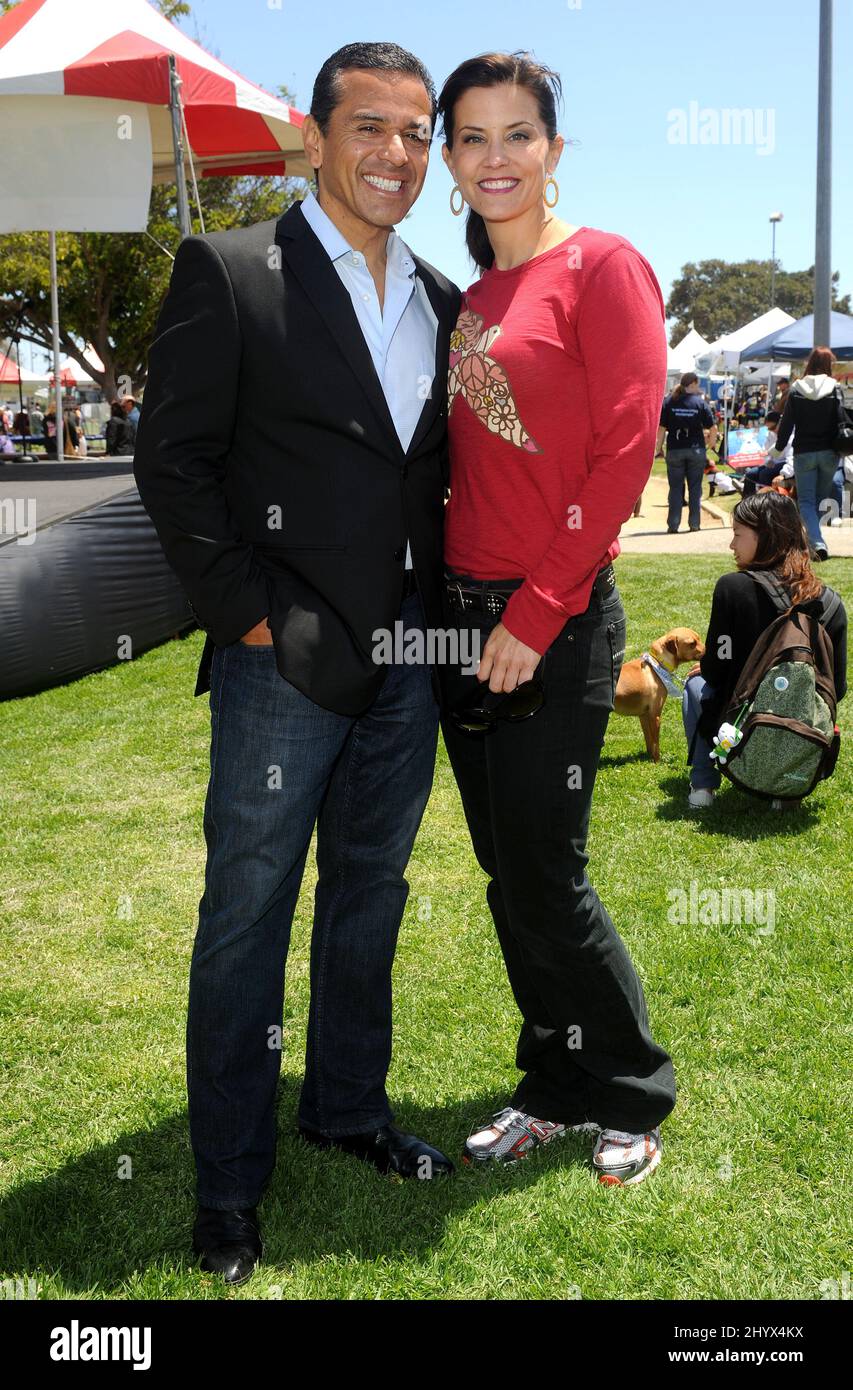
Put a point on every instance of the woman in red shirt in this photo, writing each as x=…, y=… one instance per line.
x=546, y=463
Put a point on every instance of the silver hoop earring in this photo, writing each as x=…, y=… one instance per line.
x=457, y=212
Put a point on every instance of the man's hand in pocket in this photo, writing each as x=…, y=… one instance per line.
x=259, y=635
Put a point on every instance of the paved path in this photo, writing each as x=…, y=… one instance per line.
x=70, y=487
x=62, y=488
x=647, y=534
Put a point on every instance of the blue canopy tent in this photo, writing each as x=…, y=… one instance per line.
x=794, y=342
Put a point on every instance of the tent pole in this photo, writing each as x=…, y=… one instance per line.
x=57, y=374
x=178, y=143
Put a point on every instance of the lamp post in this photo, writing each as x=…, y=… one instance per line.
x=823, y=209
x=774, y=218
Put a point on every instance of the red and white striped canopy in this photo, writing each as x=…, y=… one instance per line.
x=8, y=371
x=120, y=49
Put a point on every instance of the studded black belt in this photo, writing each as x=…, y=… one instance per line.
x=492, y=598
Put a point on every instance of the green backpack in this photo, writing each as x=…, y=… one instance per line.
x=784, y=703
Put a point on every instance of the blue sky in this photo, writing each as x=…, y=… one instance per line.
x=625, y=66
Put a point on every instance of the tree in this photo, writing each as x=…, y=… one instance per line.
x=719, y=296
x=111, y=285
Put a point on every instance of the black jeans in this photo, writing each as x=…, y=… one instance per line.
x=585, y=1047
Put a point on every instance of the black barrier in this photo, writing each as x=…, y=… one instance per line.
x=83, y=593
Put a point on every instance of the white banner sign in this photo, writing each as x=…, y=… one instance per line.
x=74, y=164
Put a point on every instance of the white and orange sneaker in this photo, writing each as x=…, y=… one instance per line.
x=512, y=1135
x=622, y=1159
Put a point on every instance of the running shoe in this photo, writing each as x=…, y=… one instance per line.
x=511, y=1136
x=622, y=1159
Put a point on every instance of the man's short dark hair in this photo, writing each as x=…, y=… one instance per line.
x=371, y=57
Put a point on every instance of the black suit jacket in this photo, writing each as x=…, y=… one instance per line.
x=268, y=460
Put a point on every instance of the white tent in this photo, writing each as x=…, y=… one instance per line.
x=60, y=58
x=100, y=98
x=713, y=361
x=681, y=358
x=764, y=372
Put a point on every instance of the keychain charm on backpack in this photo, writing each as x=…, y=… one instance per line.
x=727, y=736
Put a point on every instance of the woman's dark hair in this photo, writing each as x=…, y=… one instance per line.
x=782, y=542
x=366, y=57
x=116, y=410
x=687, y=380
x=493, y=70
x=820, y=361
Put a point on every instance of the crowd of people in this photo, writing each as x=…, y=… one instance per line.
x=802, y=461
x=34, y=426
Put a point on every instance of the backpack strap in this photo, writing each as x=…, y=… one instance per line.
x=831, y=603
x=773, y=587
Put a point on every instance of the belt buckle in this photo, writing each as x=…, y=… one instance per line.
x=455, y=588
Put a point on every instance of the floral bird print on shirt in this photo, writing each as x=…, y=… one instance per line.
x=483, y=381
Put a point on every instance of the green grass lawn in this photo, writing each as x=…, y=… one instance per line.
x=104, y=783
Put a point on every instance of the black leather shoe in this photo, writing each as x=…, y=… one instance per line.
x=229, y=1242
x=389, y=1150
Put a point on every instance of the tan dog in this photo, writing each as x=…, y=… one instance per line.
x=640, y=691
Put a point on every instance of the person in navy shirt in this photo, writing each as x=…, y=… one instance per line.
x=684, y=417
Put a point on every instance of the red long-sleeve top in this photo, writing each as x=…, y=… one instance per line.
x=557, y=373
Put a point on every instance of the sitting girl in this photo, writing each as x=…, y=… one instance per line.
x=767, y=534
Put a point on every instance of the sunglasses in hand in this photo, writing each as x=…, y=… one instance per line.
x=483, y=709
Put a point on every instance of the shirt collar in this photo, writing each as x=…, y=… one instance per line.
x=334, y=243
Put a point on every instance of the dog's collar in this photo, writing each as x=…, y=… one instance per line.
x=671, y=683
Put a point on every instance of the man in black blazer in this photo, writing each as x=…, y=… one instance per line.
x=292, y=453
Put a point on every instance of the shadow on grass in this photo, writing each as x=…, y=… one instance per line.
x=735, y=814
x=93, y=1231
x=622, y=759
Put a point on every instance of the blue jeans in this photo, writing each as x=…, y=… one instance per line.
x=815, y=473
x=279, y=765
x=838, y=487
x=705, y=775
x=685, y=465
x=760, y=475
